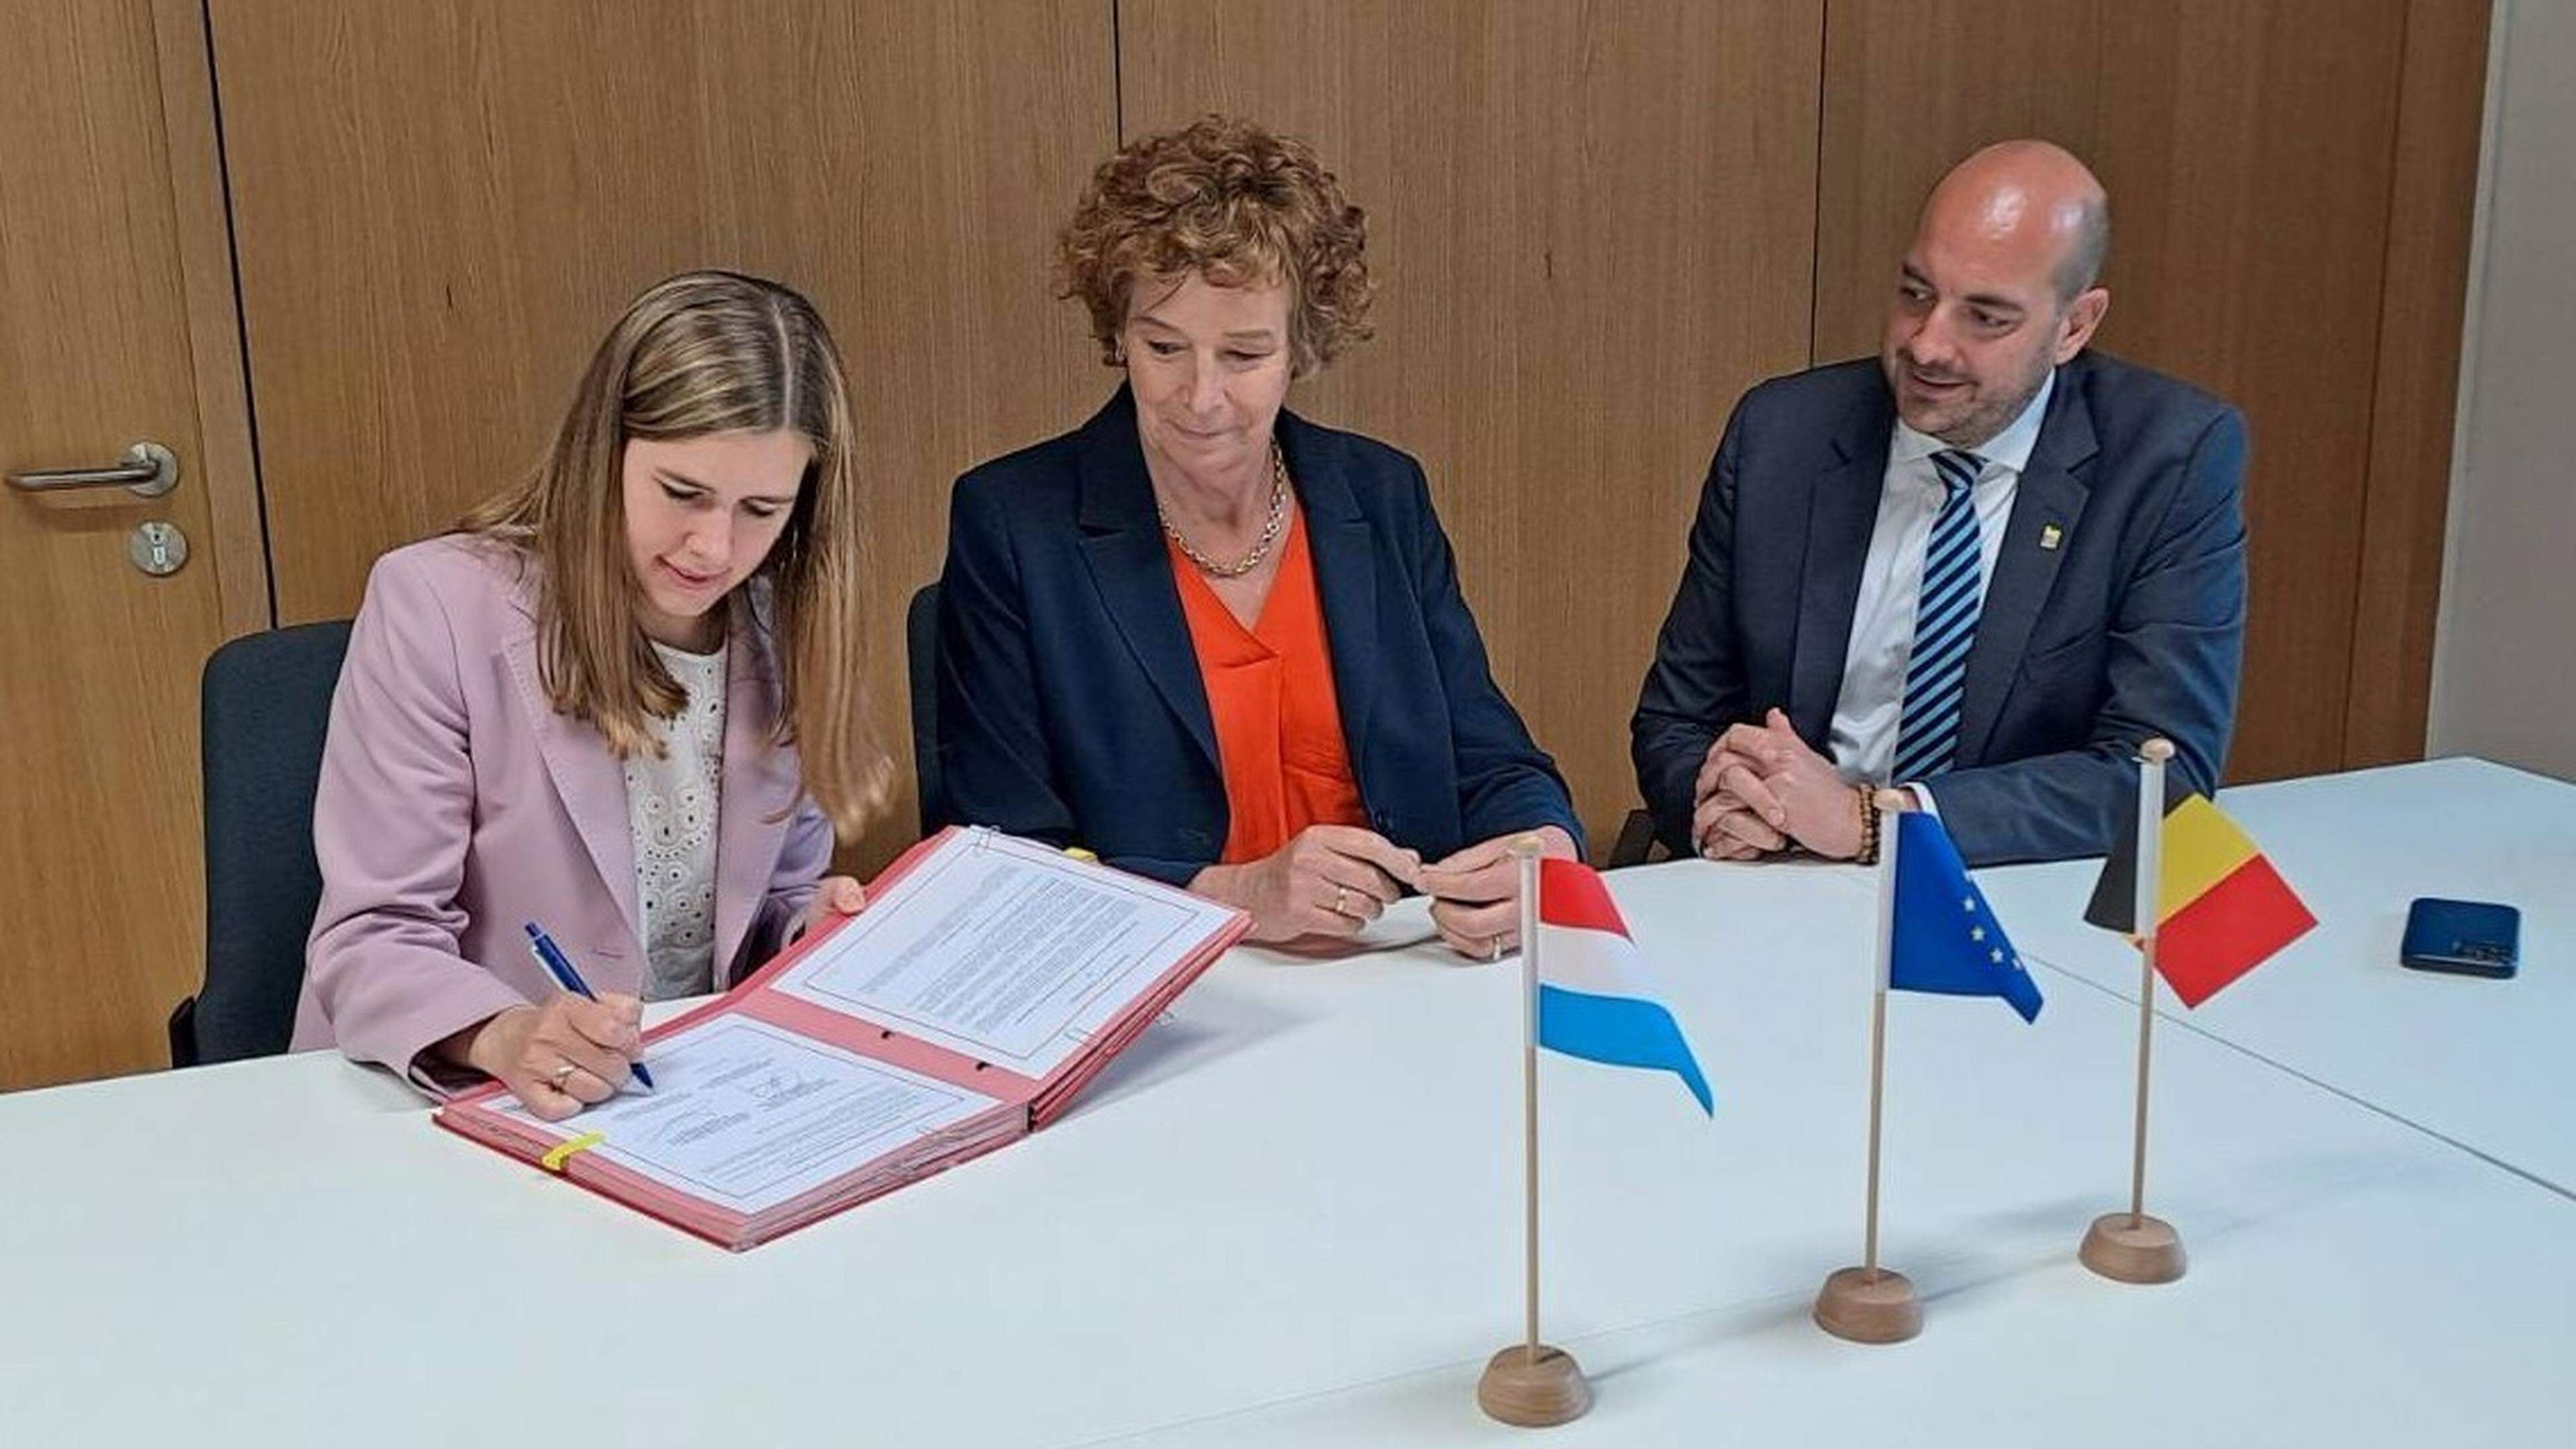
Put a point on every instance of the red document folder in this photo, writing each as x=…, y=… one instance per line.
x=882, y=1091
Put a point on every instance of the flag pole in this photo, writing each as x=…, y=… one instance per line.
x=2132, y=1247
x=1887, y=844
x=1527, y=851
x=1531, y=1383
x=1868, y=1304
x=2149, y=908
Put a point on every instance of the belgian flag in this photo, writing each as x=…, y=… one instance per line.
x=2221, y=908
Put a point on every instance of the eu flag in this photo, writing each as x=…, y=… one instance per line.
x=1946, y=938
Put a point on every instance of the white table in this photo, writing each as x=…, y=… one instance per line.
x=1291, y=1214
x=2490, y=1065
x=2353, y=1282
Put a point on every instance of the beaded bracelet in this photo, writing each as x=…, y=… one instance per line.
x=1866, y=798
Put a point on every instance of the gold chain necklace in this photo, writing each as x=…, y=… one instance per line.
x=1260, y=547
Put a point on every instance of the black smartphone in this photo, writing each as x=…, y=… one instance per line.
x=2472, y=938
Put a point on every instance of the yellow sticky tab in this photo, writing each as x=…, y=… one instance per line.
x=1078, y=853
x=553, y=1161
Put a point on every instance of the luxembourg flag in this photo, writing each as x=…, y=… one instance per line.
x=1592, y=999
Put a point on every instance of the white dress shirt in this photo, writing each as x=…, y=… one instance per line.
x=1870, y=710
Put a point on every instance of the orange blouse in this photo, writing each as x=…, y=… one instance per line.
x=1270, y=695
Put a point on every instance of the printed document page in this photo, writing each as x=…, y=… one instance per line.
x=1005, y=950
x=748, y=1116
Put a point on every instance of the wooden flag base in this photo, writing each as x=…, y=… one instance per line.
x=2133, y=1248
x=1868, y=1305
x=1535, y=1392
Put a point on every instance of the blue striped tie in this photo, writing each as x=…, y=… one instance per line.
x=1945, y=624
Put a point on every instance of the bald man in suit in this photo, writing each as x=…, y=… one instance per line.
x=1981, y=566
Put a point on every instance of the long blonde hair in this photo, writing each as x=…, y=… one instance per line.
x=705, y=352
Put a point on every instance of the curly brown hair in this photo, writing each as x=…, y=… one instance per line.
x=1227, y=199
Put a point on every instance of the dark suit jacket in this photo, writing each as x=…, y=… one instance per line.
x=1070, y=703
x=2131, y=626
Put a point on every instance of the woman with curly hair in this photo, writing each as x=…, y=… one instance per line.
x=1208, y=639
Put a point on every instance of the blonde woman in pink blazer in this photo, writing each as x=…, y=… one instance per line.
x=620, y=700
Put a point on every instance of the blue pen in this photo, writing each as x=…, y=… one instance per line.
x=559, y=966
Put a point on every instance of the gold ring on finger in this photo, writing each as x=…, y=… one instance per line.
x=1341, y=900
x=561, y=1075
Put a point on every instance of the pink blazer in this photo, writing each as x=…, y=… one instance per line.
x=456, y=804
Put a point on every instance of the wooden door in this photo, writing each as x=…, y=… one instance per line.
x=116, y=290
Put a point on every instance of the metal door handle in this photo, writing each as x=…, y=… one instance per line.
x=148, y=471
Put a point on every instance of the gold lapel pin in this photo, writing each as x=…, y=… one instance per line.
x=2050, y=535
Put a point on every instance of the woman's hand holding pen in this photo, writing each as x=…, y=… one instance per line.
x=1476, y=893
x=1329, y=881
x=562, y=1055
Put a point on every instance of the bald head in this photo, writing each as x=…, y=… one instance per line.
x=2027, y=196
x=1998, y=288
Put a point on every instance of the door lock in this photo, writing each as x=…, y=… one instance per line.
x=157, y=548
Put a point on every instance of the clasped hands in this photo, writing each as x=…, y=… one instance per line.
x=1762, y=789
x=1332, y=880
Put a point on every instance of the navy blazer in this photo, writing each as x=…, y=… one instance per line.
x=2116, y=610
x=1070, y=704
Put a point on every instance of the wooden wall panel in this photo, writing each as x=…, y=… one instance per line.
x=2250, y=153
x=1594, y=224
x=1592, y=227
x=2422, y=303
x=440, y=208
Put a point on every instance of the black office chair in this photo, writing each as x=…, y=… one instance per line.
x=1637, y=844
x=264, y=707
x=921, y=658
